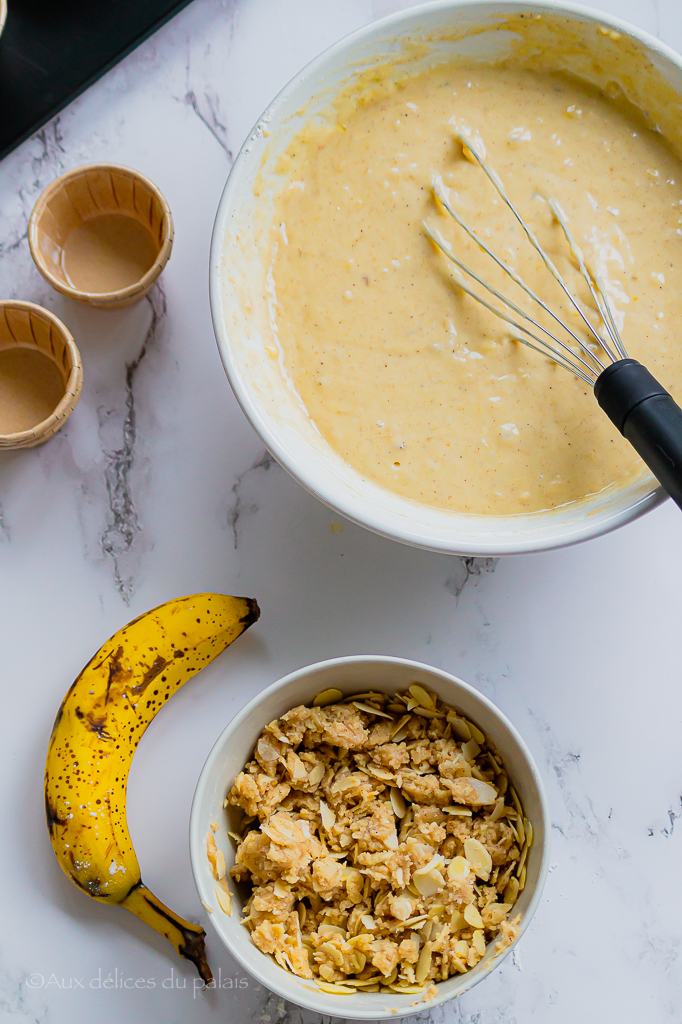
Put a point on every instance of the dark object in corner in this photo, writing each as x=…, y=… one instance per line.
x=50, y=52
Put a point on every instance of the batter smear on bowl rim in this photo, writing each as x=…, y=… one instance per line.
x=407, y=378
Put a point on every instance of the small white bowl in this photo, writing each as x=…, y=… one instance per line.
x=234, y=748
x=241, y=296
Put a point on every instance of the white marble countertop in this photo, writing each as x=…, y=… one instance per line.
x=158, y=487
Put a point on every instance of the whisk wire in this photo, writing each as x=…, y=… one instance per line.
x=494, y=178
x=439, y=190
x=593, y=284
x=565, y=354
x=589, y=374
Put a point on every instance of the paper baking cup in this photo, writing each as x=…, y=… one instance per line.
x=25, y=325
x=83, y=194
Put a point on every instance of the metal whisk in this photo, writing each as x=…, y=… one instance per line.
x=642, y=410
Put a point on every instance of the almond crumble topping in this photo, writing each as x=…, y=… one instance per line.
x=383, y=843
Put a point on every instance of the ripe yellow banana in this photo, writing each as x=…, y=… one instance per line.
x=94, y=737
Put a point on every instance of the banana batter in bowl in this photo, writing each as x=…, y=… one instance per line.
x=408, y=379
x=369, y=375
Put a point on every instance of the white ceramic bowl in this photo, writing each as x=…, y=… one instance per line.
x=234, y=748
x=240, y=291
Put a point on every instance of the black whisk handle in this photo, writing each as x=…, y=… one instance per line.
x=648, y=416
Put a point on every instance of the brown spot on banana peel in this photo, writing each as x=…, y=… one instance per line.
x=52, y=817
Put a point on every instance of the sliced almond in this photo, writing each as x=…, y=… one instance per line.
x=371, y=711
x=401, y=907
x=297, y=768
x=511, y=891
x=472, y=916
x=415, y=920
x=476, y=733
x=529, y=832
x=461, y=812
x=504, y=877
x=331, y=929
x=478, y=942
x=471, y=750
x=224, y=901
x=498, y=810
x=368, y=922
x=328, y=816
x=428, y=713
x=325, y=697
x=460, y=726
x=280, y=890
x=522, y=879
x=280, y=830
x=266, y=750
x=400, y=735
x=428, y=880
x=479, y=858
x=392, y=841
x=358, y=961
x=333, y=952
x=521, y=861
x=424, y=963
x=316, y=775
x=422, y=696
x=517, y=802
x=521, y=830
x=206, y=907
x=459, y=868
x=391, y=978
x=369, y=695
x=211, y=852
x=347, y=782
x=472, y=791
x=398, y=803
x=335, y=990
x=399, y=725
x=457, y=922
x=428, y=883
x=381, y=773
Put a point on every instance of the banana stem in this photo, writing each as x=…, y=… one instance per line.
x=188, y=939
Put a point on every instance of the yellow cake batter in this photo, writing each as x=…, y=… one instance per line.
x=413, y=383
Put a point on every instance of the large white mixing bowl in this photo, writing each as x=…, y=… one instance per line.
x=243, y=298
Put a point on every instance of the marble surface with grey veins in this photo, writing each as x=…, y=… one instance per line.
x=158, y=487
